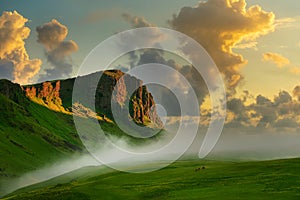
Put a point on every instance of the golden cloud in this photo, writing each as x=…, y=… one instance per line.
x=276, y=58
x=221, y=25
x=13, y=32
x=285, y=23
x=281, y=62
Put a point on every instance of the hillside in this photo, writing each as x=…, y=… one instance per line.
x=36, y=122
x=278, y=179
x=31, y=135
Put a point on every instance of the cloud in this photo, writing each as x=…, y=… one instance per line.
x=52, y=35
x=153, y=38
x=274, y=115
x=136, y=22
x=283, y=23
x=276, y=58
x=281, y=62
x=13, y=53
x=278, y=115
x=221, y=25
x=247, y=45
x=140, y=57
x=296, y=92
x=189, y=72
x=283, y=97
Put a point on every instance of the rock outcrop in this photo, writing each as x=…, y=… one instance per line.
x=57, y=95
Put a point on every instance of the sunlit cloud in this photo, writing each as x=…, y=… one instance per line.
x=13, y=53
x=276, y=58
x=247, y=45
x=281, y=62
x=220, y=26
x=283, y=23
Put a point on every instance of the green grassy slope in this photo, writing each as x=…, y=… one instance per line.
x=279, y=179
x=31, y=136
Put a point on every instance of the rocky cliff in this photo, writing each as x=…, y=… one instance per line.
x=13, y=92
x=57, y=95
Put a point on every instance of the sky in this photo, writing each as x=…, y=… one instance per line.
x=90, y=23
x=255, y=43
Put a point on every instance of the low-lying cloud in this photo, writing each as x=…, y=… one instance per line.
x=280, y=114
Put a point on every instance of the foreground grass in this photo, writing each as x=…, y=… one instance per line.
x=31, y=136
x=278, y=179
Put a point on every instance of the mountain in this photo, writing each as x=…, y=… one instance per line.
x=36, y=122
x=57, y=95
x=31, y=135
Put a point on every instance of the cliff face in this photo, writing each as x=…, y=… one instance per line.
x=13, y=91
x=57, y=95
x=48, y=92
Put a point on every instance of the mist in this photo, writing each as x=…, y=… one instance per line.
x=230, y=146
x=48, y=172
x=260, y=146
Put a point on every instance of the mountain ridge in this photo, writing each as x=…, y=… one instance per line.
x=57, y=95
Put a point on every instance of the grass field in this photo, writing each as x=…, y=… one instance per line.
x=32, y=136
x=279, y=179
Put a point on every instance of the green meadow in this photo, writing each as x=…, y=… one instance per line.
x=278, y=179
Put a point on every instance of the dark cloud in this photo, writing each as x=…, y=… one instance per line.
x=159, y=56
x=189, y=72
x=163, y=95
x=136, y=22
x=263, y=101
x=277, y=115
x=283, y=97
x=296, y=92
x=52, y=35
